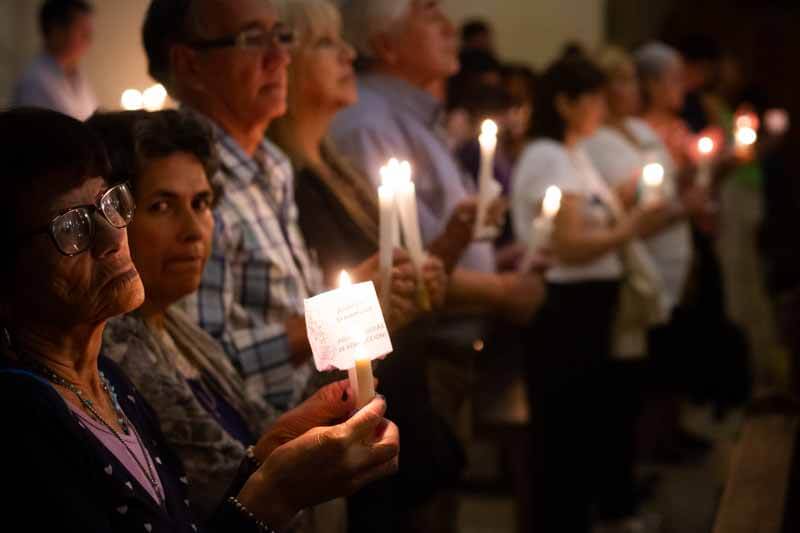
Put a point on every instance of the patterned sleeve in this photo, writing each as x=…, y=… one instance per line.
x=224, y=306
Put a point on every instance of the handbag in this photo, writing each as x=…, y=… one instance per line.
x=642, y=298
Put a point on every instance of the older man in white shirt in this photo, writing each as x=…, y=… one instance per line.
x=54, y=79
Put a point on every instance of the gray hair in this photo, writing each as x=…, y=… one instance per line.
x=654, y=58
x=364, y=19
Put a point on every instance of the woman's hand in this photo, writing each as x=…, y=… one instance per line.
x=322, y=464
x=329, y=405
x=650, y=219
x=521, y=295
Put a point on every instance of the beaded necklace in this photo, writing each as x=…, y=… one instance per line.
x=147, y=469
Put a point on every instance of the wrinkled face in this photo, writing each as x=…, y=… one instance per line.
x=668, y=91
x=584, y=114
x=72, y=42
x=89, y=288
x=170, y=238
x=248, y=83
x=322, y=72
x=623, y=91
x=425, y=43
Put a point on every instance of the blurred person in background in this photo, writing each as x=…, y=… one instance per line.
x=570, y=340
x=54, y=79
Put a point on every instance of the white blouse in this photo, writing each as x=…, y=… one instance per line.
x=619, y=160
x=544, y=163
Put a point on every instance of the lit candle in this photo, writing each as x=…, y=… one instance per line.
x=131, y=100
x=705, y=146
x=389, y=230
x=362, y=382
x=488, y=188
x=406, y=198
x=153, y=98
x=542, y=227
x=652, y=182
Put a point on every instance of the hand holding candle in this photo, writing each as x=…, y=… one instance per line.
x=488, y=188
x=346, y=331
x=542, y=227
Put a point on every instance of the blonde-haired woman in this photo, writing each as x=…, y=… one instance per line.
x=339, y=219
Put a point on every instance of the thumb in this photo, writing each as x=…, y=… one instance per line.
x=365, y=422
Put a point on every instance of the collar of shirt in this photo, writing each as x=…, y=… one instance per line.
x=416, y=101
x=266, y=165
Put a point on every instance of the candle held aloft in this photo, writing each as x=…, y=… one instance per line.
x=541, y=227
x=488, y=188
x=652, y=182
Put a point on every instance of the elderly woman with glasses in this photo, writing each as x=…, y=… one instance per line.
x=68, y=272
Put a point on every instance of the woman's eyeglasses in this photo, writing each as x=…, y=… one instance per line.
x=73, y=230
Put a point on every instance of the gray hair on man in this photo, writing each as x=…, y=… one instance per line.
x=654, y=58
x=364, y=19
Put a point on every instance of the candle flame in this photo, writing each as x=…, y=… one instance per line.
x=705, y=145
x=746, y=136
x=747, y=120
x=489, y=128
x=653, y=175
x=344, y=279
x=776, y=121
x=405, y=171
x=552, y=201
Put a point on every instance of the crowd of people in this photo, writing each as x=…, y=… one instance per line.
x=153, y=302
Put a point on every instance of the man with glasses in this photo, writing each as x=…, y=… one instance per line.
x=226, y=61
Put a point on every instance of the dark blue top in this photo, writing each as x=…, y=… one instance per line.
x=59, y=477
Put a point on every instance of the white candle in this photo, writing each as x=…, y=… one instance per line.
x=541, y=227
x=362, y=382
x=389, y=230
x=406, y=198
x=487, y=185
x=652, y=183
x=705, y=146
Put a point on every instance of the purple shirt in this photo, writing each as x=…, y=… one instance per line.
x=112, y=443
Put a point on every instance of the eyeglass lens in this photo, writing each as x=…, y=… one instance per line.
x=73, y=231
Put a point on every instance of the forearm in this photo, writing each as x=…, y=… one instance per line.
x=471, y=291
x=449, y=250
x=583, y=247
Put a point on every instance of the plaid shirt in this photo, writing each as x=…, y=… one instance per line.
x=260, y=270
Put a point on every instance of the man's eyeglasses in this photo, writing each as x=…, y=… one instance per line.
x=280, y=36
x=73, y=230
